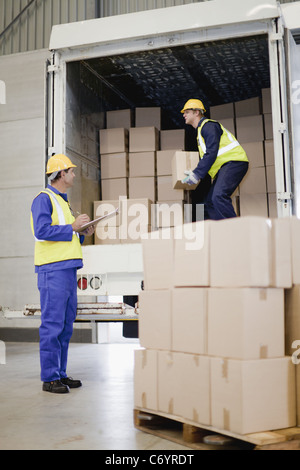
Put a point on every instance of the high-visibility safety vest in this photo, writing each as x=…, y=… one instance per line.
x=46, y=251
x=229, y=149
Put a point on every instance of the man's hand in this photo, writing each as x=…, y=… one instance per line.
x=89, y=231
x=191, y=178
x=80, y=221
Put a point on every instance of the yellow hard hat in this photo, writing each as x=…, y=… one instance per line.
x=58, y=163
x=193, y=104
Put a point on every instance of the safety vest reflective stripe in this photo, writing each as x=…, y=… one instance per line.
x=60, y=213
x=234, y=144
x=229, y=149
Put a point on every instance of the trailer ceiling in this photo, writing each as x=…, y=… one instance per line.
x=217, y=72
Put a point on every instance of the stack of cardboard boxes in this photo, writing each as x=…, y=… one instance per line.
x=212, y=324
x=136, y=163
x=250, y=121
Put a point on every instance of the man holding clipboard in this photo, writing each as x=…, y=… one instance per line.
x=58, y=256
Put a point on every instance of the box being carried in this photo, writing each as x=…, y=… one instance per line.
x=181, y=162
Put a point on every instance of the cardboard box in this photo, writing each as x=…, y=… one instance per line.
x=254, y=182
x=158, y=260
x=258, y=252
x=138, y=210
x=106, y=235
x=114, y=188
x=266, y=100
x=181, y=162
x=142, y=187
x=165, y=190
x=102, y=208
x=142, y=164
x=183, y=386
x=145, y=117
x=168, y=214
x=119, y=118
x=250, y=129
x=269, y=152
x=189, y=320
x=268, y=123
x=143, y=139
x=145, y=379
x=255, y=153
x=113, y=140
x=222, y=111
x=248, y=107
x=173, y=139
x=192, y=255
x=239, y=323
x=114, y=165
x=155, y=319
x=164, y=162
x=254, y=204
x=271, y=179
x=229, y=125
x=282, y=252
x=240, y=252
x=134, y=233
x=253, y=395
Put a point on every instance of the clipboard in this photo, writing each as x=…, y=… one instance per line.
x=95, y=221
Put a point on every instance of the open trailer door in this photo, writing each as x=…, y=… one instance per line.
x=290, y=16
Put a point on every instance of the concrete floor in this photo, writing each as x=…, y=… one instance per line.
x=97, y=416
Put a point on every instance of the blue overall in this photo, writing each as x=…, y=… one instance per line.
x=57, y=284
x=218, y=202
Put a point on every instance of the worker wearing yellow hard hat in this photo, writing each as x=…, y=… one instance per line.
x=221, y=157
x=58, y=256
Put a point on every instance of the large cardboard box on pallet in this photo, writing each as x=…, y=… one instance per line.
x=145, y=379
x=192, y=255
x=250, y=252
x=155, y=319
x=249, y=396
x=183, y=386
x=245, y=323
x=158, y=259
x=189, y=320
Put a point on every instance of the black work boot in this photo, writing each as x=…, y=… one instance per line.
x=55, y=387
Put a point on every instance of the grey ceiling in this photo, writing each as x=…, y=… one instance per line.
x=216, y=72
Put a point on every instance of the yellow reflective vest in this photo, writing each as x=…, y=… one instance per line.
x=229, y=149
x=46, y=251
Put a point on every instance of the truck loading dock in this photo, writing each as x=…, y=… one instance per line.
x=244, y=56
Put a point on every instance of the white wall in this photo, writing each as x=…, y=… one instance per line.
x=22, y=161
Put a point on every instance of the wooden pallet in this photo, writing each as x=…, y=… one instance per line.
x=195, y=436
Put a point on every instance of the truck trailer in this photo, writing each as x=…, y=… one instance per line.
x=221, y=51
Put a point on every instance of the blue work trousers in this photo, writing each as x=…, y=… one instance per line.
x=58, y=296
x=218, y=202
